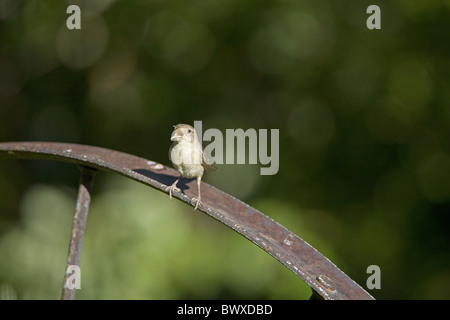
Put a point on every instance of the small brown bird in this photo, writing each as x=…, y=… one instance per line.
x=187, y=156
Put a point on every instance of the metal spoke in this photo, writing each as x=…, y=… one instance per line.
x=78, y=226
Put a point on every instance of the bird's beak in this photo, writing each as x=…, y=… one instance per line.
x=176, y=135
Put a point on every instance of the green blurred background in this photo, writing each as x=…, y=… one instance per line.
x=364, y=120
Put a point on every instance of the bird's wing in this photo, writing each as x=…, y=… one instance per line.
x=207, y=163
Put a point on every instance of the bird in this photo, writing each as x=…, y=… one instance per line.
x=187, y=156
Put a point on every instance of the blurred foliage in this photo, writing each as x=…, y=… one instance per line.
x=364, y=119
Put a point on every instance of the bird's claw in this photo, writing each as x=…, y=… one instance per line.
x=197, y=202
x=171, y=189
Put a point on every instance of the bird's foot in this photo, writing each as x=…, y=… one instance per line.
x=171, y=189
x=197, y=202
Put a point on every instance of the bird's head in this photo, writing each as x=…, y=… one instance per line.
x=183, y=132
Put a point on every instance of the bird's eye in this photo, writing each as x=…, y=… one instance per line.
x=189, y=131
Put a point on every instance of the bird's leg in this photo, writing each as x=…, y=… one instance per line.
x=173, y=187
x=199, y=197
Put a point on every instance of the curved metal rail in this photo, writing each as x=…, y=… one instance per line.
x=306, y=262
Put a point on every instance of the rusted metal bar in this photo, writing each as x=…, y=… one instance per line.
x=306, y=262
x=76, y=237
